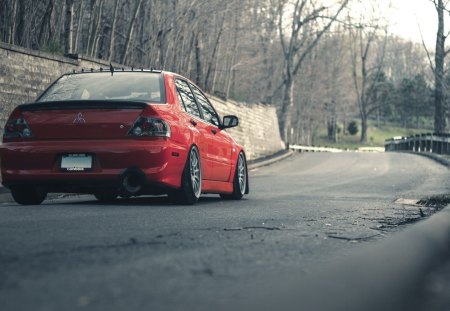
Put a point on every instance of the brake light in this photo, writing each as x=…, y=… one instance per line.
x=15, y=128
x=147, y=126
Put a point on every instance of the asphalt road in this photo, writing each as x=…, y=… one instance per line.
x=147, y=254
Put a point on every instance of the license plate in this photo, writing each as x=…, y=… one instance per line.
x=76, y=162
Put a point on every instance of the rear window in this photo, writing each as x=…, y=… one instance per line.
x=141, y=86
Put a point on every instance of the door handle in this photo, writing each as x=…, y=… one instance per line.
x=193, y=122
x=213, y=131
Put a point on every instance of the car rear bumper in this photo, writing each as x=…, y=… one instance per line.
x=39, y=162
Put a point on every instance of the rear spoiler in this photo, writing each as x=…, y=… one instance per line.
x=83, y=104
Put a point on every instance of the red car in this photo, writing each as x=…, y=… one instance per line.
x=122, y=133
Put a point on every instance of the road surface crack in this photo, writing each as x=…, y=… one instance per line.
x=252, y=227
x=361, y=238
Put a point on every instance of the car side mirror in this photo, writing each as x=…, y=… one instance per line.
x=230, y=121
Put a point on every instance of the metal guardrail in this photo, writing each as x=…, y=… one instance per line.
x=432, y=143
x=300, y=148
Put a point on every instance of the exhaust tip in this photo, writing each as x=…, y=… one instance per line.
x=133, y=181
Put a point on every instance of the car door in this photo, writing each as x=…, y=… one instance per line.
x=218, y=142
x=194, y=122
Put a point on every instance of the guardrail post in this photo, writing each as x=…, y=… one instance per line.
x=434, y=144
x=438, y=149
x=417, y=143
x=428, y=143
x=446, y=145
x=401, y=144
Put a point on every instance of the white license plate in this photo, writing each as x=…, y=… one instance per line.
x=76, y=162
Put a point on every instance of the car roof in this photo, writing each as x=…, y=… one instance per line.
x=115, y=70
x=128, y=70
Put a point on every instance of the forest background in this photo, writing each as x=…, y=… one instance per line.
x=324, y=64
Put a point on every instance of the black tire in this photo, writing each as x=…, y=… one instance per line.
x=191, y=180
x=106, y=195
x=28, y=195
x=240, y=180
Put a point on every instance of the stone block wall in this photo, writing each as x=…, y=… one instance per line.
x=25, y=73
x=258, y=129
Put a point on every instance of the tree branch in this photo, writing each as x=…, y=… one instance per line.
x=426, y=49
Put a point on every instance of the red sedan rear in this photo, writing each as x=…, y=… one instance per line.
x=122, y=133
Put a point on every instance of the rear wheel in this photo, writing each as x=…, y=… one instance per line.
x=28, y=195
x=239, y=181
x=191, y=180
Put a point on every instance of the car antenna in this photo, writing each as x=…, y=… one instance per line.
x=111, y=68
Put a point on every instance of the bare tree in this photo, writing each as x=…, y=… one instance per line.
x=440, y=54
x=289, y=53
x=367, y=61
x=68, y=42
x=112, y=42
x=80, y=12
x=130, y=33
x=309, y=22
x=46, y=20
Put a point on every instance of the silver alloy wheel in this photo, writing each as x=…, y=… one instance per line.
x=196, y=173
x=242, y=174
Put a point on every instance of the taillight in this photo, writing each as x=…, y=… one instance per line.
x=147, y=126
x=15, y=128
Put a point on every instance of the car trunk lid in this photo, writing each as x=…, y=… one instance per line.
x=81, y=119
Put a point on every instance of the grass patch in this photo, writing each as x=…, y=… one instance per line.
x=375, y=137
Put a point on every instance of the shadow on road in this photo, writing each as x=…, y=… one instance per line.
x=139, y=201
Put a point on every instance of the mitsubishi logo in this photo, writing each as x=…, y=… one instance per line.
x=79, y=119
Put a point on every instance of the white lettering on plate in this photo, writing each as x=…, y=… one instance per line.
x=75, y=169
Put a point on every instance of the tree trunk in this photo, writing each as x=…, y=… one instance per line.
x=198, y=64
x=12, y=31
x=187, y=65
x=126, y=47
x=97, y=32
x=439, y=99
x=230, y=72
x=68, y=40
x=19, y=31
x=363, y=130
x=207, y=83
x=285, y=118
x=332, y=129
x=79, y=26
x=112, y=42
x=92, y=22
x=45, y=21
x=162, y=47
